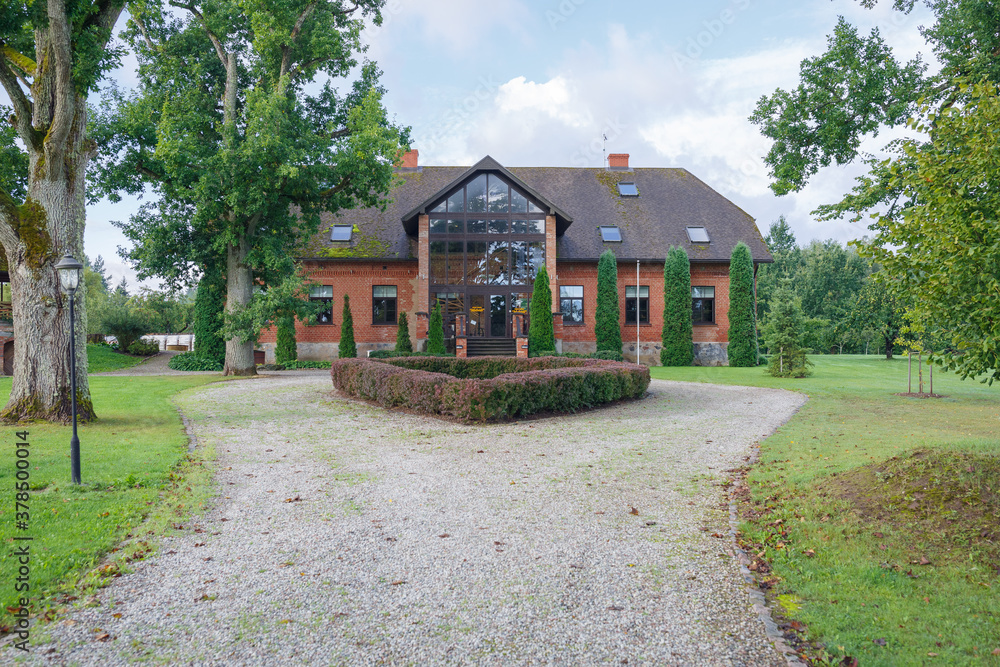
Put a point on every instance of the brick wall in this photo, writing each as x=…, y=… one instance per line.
x=717, y=276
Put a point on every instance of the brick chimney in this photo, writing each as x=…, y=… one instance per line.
x=408, y=160
x=618, y=161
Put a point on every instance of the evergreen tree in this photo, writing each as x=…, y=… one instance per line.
x=403, y=343
x=347, y=347
x=285, y=349
x=607, y=329
x=783, y=334
x=98, y=268
x=677, y=330
x=541, y=336
x=435, y=333
x=742, y=330
x=209, y=303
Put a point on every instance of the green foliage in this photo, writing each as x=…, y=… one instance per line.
x=435, y=332
x=167, y=311
x=607, y=355
x=123, y=320
x=193, y=361
x=541, y=336
x=285, y=348
x=209, y=302
x=678, y=346
x=607, y=328
x=490, y=389
x=742, y=348
x=877, y=313
x=394, y=354
x=142, y=349
x=296, y=365
x=943, y=248
x=783, y=334
x=347, y=348
x=14, y=172
x=403, y=343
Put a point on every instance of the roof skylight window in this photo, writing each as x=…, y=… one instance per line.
x=611, y=234
x=698, y=235
x=628, y=190
x=341, y=232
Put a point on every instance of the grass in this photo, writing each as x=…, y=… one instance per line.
x=134, y=465
x=101, y=359
x=872, y=517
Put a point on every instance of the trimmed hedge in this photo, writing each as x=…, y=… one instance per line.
x=192, y=361
x=143, y=349
x=485, y=389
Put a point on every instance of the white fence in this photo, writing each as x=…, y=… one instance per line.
x=180, y=342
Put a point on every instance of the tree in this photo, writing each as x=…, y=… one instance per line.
x=678, y=348
x=742, y=349
x=783, y=333
x=123, y=319
x=607, y=328
x=879, y=311
x=541, y=336
x=435, y=332
x=787, y=262
x=209, y=302
x=403, y=342
x=242, y=157
x=166, y=311
x=347, y=348
x=52, y=55
x=285, y=348
x=98, y=268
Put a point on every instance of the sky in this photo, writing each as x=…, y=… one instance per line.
x=541, y=82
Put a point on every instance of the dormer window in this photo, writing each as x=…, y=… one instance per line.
x=611, y=234
x=698, y=235
x=628, y=190
x=341, y=232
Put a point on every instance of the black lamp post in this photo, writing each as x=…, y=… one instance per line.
x=69, y=276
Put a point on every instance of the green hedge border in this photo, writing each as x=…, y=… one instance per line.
x=489, y=389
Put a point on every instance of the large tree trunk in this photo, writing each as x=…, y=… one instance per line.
x=239, y=291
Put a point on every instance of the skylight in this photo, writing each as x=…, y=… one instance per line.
x=341, y=232
x=628, y=190
x=609, y=234
x=698, y=235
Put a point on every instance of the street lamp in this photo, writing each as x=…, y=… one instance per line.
x=69, y=276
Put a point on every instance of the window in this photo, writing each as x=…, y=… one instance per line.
x=609, y=234
x=384, y=304
x=703, y=305
x=341, y=232
x=571, y=303
x=698, y=235
x=628, y=190
x=643, y=305
x=323, y=293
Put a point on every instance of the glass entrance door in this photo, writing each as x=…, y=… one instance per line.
x=498, y=316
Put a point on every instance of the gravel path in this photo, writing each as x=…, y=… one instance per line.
x=347, y=535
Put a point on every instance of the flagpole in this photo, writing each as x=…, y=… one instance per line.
x=637, y=310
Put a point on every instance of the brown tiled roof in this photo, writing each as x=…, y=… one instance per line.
x=669, y=200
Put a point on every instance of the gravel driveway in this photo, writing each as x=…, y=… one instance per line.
x=347, y=535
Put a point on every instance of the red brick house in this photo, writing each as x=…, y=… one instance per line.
x=473, y=239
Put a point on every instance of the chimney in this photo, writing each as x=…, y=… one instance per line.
x=618, y=161
x=408, y=160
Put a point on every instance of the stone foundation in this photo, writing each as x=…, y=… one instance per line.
x=649, y=353
x=711, y=354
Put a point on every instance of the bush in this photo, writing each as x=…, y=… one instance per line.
x=285, y=348
x=607, y=327
x=347, y=348
x=393, y=354
x=742, y=349
x=541, y=337
x=607, y=355
x=142, y=349
x=126, y=323
x=678, y=347
x=403, y=342
x=435, y=332
x=192, y=361
x=489, y=388
x=209, y=302
x=296, y=365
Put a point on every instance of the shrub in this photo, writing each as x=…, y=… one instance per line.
x=607, y=327
x=742, y=348
x=143, y=349
x=783, y=334
x=541, y=336
x=393, y=354
x=607, y=355
x=296, y=365
x=678, y=347
x=347, y=349
x=489, y=388
x=192, y=361
x=285, y=348
x=403, y=342
x=209, y=303
x=435, y=333
x=126, y=323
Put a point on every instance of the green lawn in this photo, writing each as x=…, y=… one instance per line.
x=101, y=359
x=878, y=513
x=134, y=461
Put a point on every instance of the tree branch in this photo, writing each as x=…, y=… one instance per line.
x=145, y=34
x=18, y=60
x=22, y=106
x=62, y=60
x=286, y=50
x=340, y=187
x=223, y=57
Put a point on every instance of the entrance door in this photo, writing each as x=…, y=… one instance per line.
x=498, y=316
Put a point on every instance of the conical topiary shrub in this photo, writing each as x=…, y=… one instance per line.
x=435, y=333
x=403, y=342
x=347, y=349
x=541, y=336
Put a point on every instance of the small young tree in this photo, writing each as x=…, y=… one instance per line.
x=783, y=335
x=403, y=342
x=435, y=333
x=541, y=336
x=347, y=347
x=677, y=347
x=742, y=330
x=285, y=348
x=607, y=327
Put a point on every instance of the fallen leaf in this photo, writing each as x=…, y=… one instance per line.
x=296, y=499
x=103, y=637
x=719, y=535
x=848, y=661
x=932, y=654
x=880, y=641
x=397, y=582
x=116, y=615
x=996, y=651
x=480, y=451
x=924, y=561
x=809, y=553
x=634, y=512
x=615, y=607
x=223, y=519
x=878, y=534
x=444, y=535
x=199, y=544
